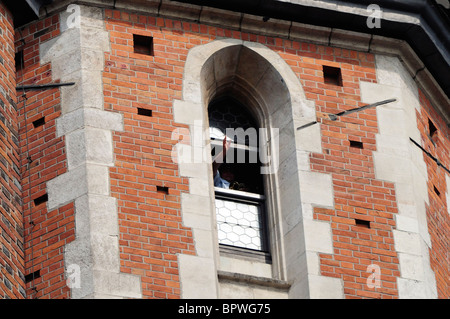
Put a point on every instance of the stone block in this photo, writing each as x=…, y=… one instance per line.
x=95, y=39
x=406, y=242
x=272, y=27
x=103, y=215
x=117, y=284
x=69, y=122
x=198, y=222
x=84, y=93
x=411, y=266
x=88, y=117
x=316, y=188
x=219, y=17
x=99, y=146
x=321, y=287
x=318, y=236
x=66, y=187
x=90, y=145
x=106, y=120
x=105, y=250
x=411, y=289
x=405, y=223
x=197, y=186
x=205, y=240
x=349, y=39
x=230, y=290
x=308, y=33
x=97, y=177
x=77, y=256
x=187, y=113
x=196, y=204
x=60, y=46
x=308, y=138
x=198, y=277
x=246, y=267
x=76, y=149
x=313, y=262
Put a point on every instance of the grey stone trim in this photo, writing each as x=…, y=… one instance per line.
x=292, y=31
x=253, y=280
x=297, y=238
x=77, y=55
x=398, y=160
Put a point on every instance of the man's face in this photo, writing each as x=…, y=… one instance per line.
x=227, y=175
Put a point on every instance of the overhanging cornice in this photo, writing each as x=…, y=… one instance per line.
x=422, y=24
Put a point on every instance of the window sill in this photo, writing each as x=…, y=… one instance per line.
x=246, y=254
x=253, y=280
x=231, y=193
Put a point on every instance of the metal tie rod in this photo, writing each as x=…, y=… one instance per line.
x=334, y=117
x=438, y=162
x=43, y=86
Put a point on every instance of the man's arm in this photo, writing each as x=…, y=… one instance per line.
x=216, y=164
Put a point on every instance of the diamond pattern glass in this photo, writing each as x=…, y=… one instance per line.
x=239, y=224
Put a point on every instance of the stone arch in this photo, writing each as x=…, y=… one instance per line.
x=226, y=58
x=261, y=79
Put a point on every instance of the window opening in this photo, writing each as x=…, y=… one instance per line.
x=32, y=276
x=239, y=191
x=432, y=130
x=362, y=223
x=143, y=44
x=41, y=199
x=332, y=75
x=436, y=191
x=39, y=122
x=356, y=144
x=144, y=112
x=19, y=60
x=162, y=189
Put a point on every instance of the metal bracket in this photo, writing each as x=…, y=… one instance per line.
x=43, y=86
x=334, y=117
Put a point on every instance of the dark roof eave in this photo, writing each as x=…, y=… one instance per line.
x=430, y=40
x=25, y=11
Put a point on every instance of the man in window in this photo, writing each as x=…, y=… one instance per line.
x=222, y=180
x=225, y=178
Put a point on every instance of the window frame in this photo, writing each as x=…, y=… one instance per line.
x=263, y=255
x=251, y=199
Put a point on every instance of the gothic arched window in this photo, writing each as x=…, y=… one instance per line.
x=239, y=189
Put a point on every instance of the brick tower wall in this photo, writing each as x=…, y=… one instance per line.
x=147, y=185
x=11, y=219
x=135, y=81
x=42, y=158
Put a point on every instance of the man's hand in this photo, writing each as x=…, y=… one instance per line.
x=226, y=145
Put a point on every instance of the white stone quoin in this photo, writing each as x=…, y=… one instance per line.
x=399, y=161
x=77, y=56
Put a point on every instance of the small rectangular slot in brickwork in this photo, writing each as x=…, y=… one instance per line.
x=162, y=189
x=19, y=60
x=143, y=44
x=432, y=129
x=41, y=199
x=144, y=112
x=362, y=223
x=332, y=75
x=32, y=276
x=436, y=191
x=356, y=144
x=41, y=33
x=39, y=122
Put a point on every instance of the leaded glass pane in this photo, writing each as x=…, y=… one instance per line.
x=239, y=224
